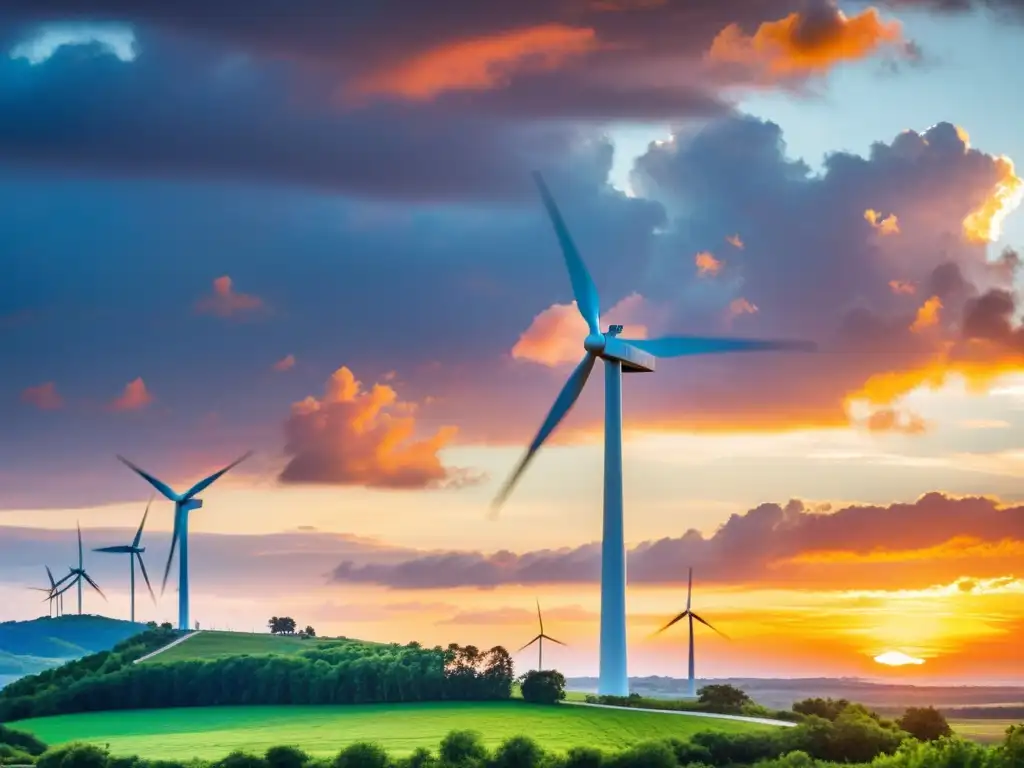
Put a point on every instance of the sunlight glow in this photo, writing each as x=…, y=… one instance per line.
x=897, y=659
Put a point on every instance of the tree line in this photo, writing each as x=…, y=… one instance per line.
x=332, y=672
x=466, y=749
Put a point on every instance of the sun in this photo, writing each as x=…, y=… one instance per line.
x=897, y=659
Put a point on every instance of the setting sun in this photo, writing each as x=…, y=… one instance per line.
x=897, y=659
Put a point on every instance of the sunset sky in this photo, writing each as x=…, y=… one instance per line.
x=312, y=233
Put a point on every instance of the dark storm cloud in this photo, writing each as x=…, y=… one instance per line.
x=772, y=544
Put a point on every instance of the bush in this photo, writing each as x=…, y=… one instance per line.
x=925, y=723
x=12, y=756
x=25, y=742
x=239, y=759
x=723, y=699
x=362, y=754
x=648, y=754
x=285, y=757
x=518, y=752
x=827, y=709
x=584, y=757
x=462, y=748
x=74, y=755
x=420, y=758
x=545, y=686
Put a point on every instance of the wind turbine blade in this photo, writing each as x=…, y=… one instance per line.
x=538, y=637
x=145, y=575
x=68, y=576
x=548, y=637
x=69, y=586
x=204, y=484
x=563, y=403
x=685, y=346
x=540, y=619
x=678, y=618
x=689, y=588
x=120, y=549
x=174, y=545
x=583, y=288
x=79, y=544
x=49, y=573
x=698, y=618
x=94, y=585
x=165, y=490
x=138, y=533
x=41, y=589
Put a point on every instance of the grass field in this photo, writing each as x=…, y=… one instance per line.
x=984, y=731
x=212, y=732
x=209, y=645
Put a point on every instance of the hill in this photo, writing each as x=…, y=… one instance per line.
x=323, y=730
x=210, y=644
x=29, y=647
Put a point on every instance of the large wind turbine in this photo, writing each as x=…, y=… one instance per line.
x=134, y=551
x=688, y=614
x=77, y=575
x=539, y=639
x=619, y=355
x=183, y=504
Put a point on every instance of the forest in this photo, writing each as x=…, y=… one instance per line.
x=343, y=673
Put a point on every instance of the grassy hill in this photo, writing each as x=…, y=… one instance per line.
x=29, y=647
x=212, y=732
x=215, y=645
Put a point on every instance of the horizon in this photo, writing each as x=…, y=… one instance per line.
x=319, y=240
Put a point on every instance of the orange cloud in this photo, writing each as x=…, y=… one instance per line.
x=927, y=315
x=134, y=397
x=890, y=225
x=891, y=420
x=956, y=548
x=286, y=363
x=707, y=264
x=985, y=224
x=225, y=301
x=44, y=396
x=739, y=307
x=806, y=44
x=556, y=335
x=624, y=5
x=735, y=241
x=902, y=286
x=481, y=63
x=352, y=436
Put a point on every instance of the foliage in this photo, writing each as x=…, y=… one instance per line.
x=21, y=741
x=827, y=709
x=462, y=748
x=517, y=752
x=309, y=631
x=285, y=757
x=545, y=686
x=925, y=723
x=362, y=754
x=341, y=673
x=722, y=698
x=283, y=625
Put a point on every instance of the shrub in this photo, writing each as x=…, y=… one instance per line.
x=420, y=758
x=518, y=752
x=584, y=757
x=73, y=755
x=462, y=748
x=362, y=754
x=545, y=686
x=239, y=759
x=12, y=756
x=648, y=754
x=20, y=740
x=285, y=757
x=724, y=699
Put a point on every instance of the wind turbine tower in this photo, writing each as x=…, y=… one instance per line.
x=77, y=576
x=539, y=639
x=691, y=688
x=134, y=552
x=619, y=356
x=183, y=504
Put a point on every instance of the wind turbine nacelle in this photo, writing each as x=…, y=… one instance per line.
x=633, y=360
x=191, y=504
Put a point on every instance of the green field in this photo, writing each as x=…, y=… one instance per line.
x=209, y=645
x=212, y=732
x=984, y=731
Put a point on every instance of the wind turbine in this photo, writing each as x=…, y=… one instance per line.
x=619, y=355
x=78, y=575
x=183, y=504
x=688, y=614
x=134, y=551
x=51, y=591
x=539, y=639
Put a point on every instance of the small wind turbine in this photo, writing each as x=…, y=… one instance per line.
x=183, y=504
x=539, y=639
x=688, y=614
x=620, y=356
x=134, y=551
x=51, y=591
x=78, y=575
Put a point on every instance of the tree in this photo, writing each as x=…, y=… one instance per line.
x=925, y=723
x=462, y=748
x=828, y=709
x=362, y=754
x=309, y=631
x=546, y=686
x=518, y=752
x=281, y=625
x=723, y=699
x=285, y=757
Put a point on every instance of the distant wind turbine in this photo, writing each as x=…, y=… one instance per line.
x=183, y=504
x=77, y=575
x=52, y=597
x=134, y=552
x=688, y=614
x=539, y=639
x=620, y=356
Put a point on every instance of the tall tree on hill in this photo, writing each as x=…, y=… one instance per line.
x=281, y=625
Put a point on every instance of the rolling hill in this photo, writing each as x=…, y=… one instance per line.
x=28, y=647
